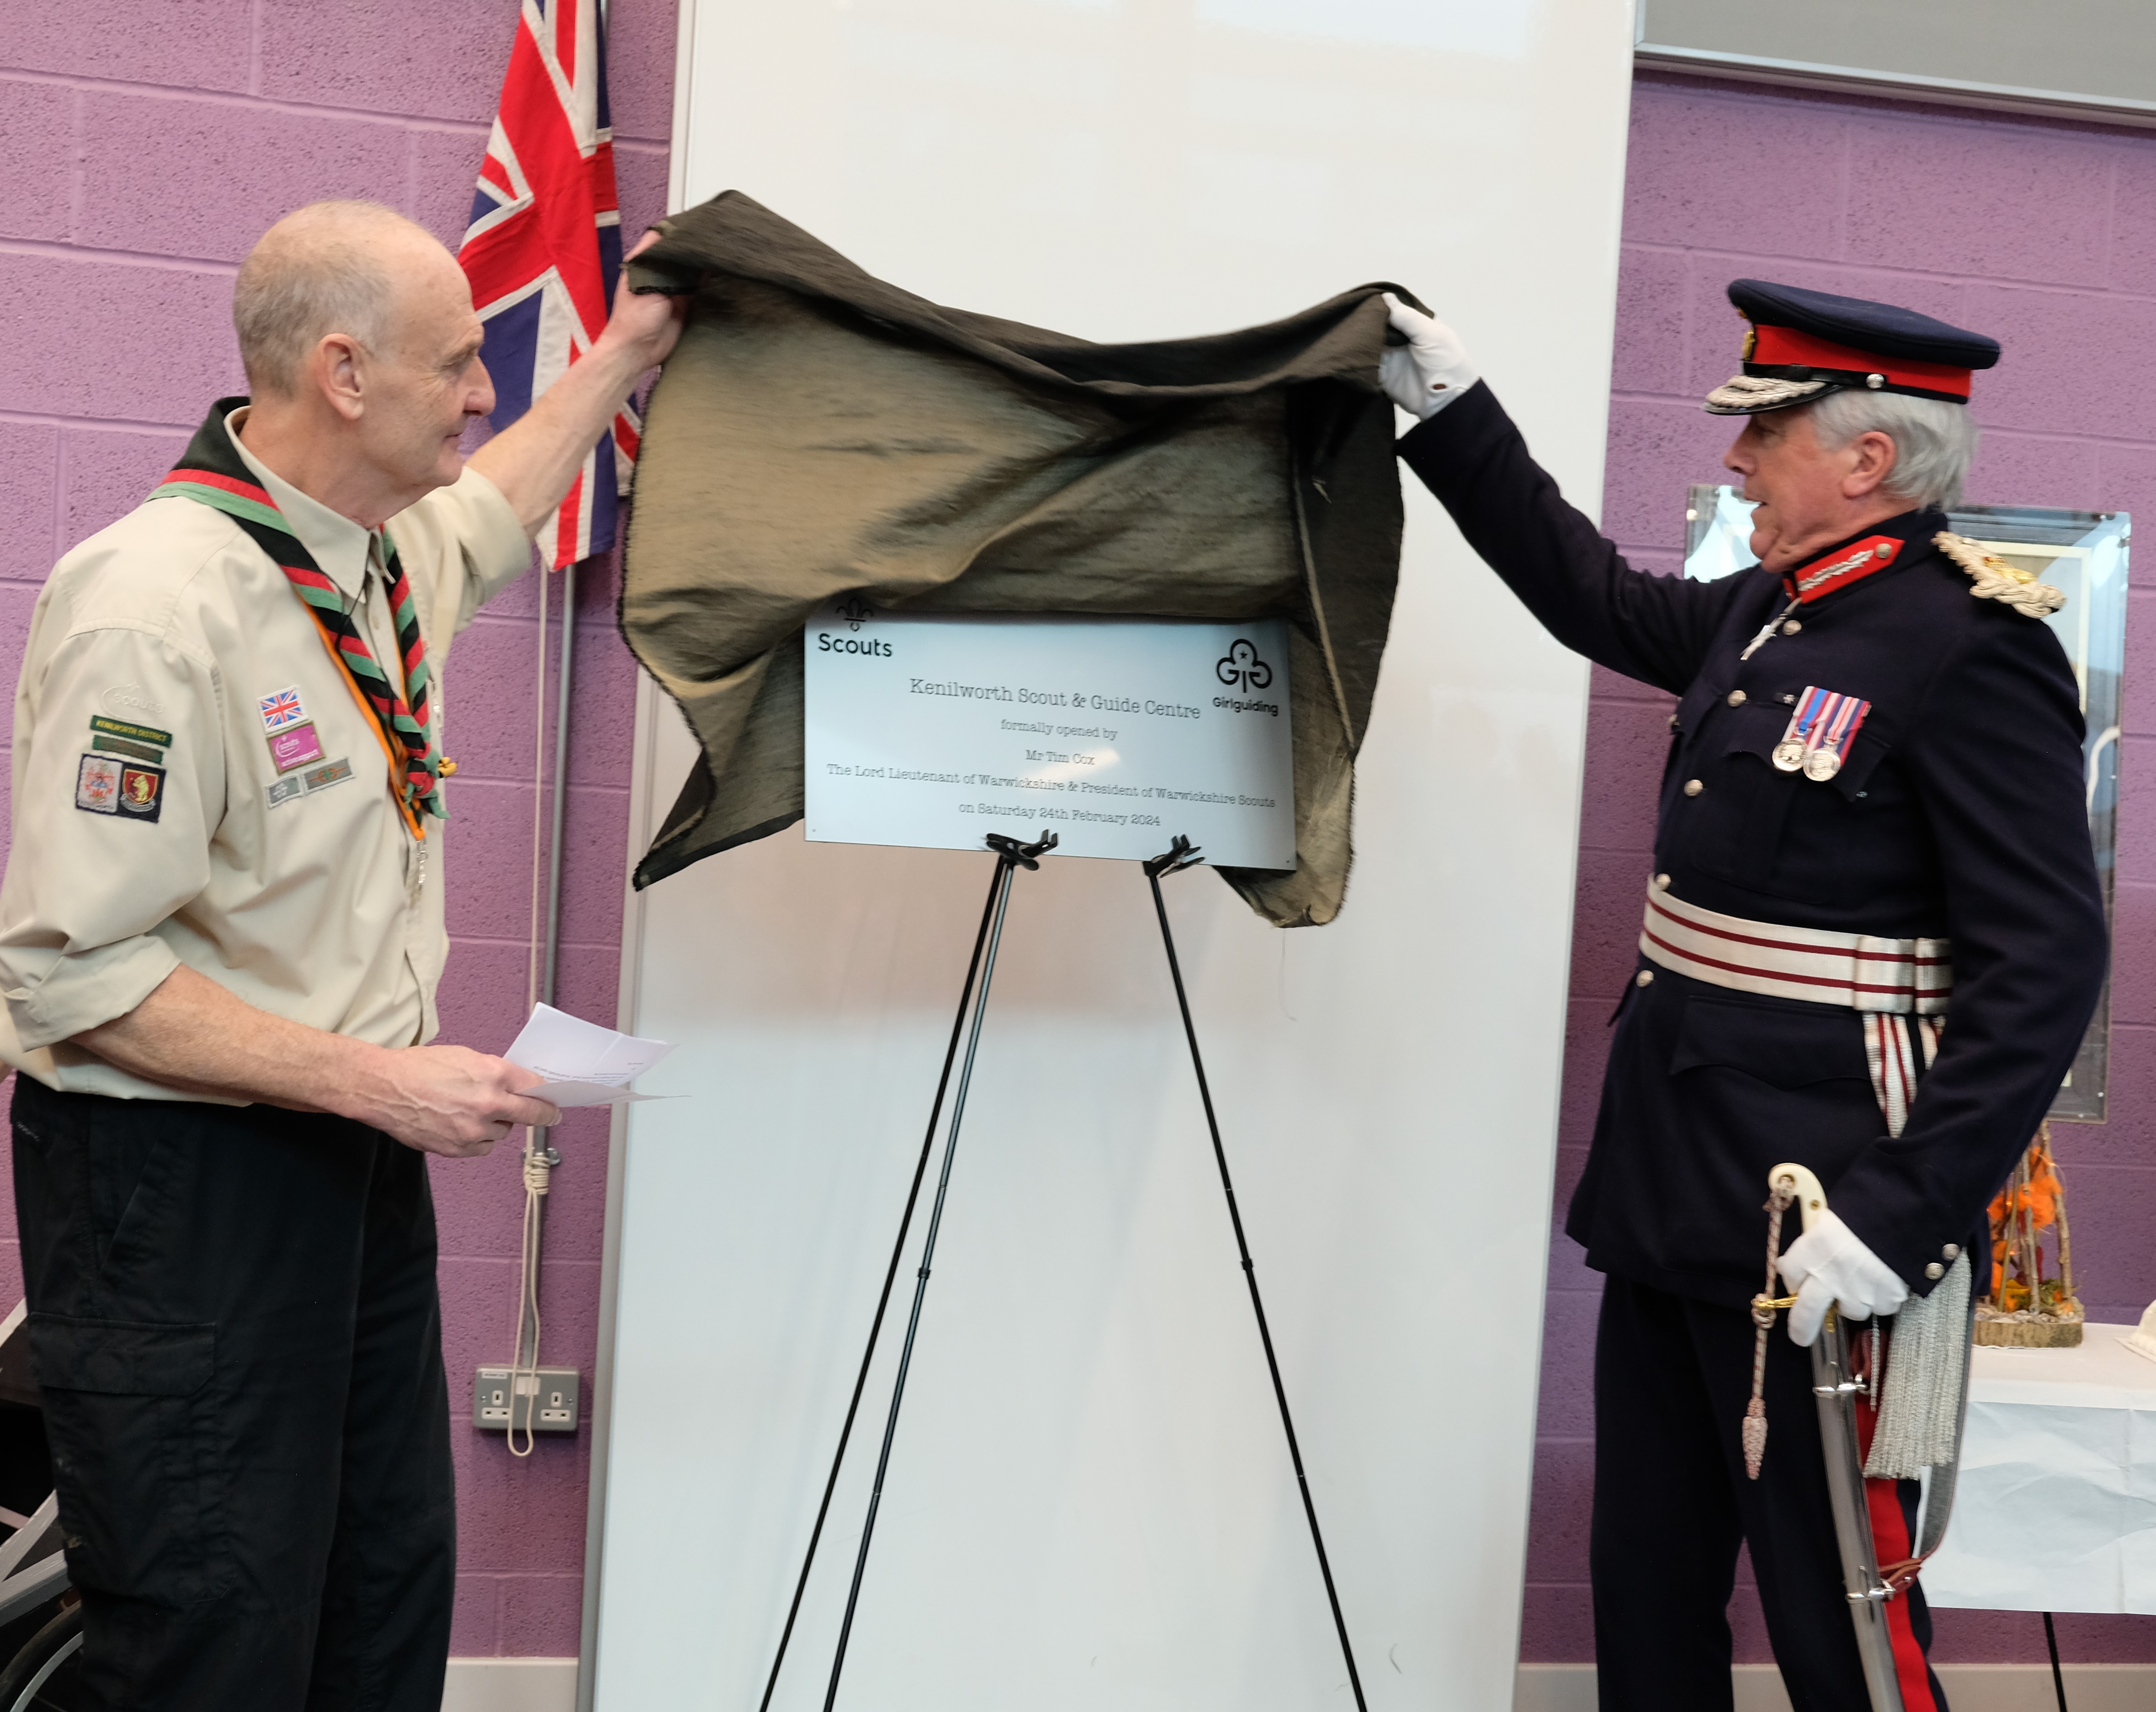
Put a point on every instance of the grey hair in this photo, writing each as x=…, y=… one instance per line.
x=1934, y=441
x=317, y=271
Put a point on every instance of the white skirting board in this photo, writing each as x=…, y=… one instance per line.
x=1971, y=1688
x=549, y=1685
x=510, y=1685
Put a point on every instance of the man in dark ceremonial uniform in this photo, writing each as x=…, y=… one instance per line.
x=1872, y=938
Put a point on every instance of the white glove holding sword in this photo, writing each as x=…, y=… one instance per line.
x=1829, y=1263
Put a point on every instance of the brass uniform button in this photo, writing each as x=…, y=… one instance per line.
x=1662, y=882
x=1673, y=722
x=1645, y=977
x=1952, y=1251
x=1935, y=1270
x=1736, y=698
x=1790, y=627
x=1693, y=788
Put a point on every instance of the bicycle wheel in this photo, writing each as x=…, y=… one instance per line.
x=41, y=1678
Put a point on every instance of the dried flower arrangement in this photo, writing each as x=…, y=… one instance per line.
x=2024, y=1306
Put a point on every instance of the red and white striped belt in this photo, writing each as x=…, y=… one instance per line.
x=1865, y=973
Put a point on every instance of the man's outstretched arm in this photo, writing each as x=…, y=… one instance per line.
x=1469, y=454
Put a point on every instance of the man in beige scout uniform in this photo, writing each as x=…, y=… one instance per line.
x=220, y=935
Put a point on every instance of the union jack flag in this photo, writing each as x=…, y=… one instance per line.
x=281, y=709
x=543, y=249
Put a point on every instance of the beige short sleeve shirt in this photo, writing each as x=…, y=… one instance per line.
x=196, y=782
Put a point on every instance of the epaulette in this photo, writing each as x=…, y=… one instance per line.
x=1996, y=580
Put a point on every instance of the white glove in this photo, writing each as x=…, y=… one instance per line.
x=1829, y=1263
x=1429, y=371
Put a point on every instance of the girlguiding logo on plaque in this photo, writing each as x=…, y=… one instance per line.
x=1116, y=734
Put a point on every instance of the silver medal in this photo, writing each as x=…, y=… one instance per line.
x=1822, y=764
x=1789, y=755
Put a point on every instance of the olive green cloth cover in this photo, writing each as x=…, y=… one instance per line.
x=818, y=434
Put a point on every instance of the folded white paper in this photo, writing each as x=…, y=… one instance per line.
x=583, y=1064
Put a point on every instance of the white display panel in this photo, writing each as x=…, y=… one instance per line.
x=1089, y=1506
x=1116, y=735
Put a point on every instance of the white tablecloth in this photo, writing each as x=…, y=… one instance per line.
x=2056, y=1509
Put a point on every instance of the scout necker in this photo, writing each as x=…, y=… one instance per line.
x=1872, y=939
x=220, y=935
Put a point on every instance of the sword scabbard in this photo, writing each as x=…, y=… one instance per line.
x=1836, y=1389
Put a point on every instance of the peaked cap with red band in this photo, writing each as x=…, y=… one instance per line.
x=1805, y=345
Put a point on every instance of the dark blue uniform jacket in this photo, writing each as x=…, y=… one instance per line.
x=1958, y=813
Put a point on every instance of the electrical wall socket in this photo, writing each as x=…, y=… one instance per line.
x=545, y=1401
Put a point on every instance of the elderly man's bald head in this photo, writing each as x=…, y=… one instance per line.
x=332, y=267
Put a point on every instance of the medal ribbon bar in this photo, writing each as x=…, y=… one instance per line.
x=1820, y=730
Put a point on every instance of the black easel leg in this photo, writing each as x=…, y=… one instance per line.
x=1179, y=857
x=1010, y=857
x=2058, y=1676
x=890, y=1272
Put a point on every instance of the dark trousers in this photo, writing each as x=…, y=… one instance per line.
x=1672, y=1377
x=233, y=1317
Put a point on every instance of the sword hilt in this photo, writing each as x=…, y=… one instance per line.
x=1802, y=1185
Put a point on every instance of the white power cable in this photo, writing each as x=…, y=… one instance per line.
x=524, y=1379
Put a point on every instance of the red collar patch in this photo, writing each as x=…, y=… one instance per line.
x=1841, y=567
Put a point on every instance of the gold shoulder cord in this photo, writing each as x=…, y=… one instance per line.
x=1995, y=580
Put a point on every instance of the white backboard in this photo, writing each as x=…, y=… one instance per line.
x=1089, y=1506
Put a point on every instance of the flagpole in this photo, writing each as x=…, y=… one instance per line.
x=540, y=1156
x=561, y=779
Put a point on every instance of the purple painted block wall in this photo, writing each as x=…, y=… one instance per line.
x=152, y=143
x=2045, y=236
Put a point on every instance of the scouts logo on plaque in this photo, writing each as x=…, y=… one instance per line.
x=1823, y=726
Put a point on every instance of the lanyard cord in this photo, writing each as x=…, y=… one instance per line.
x=1767, y=629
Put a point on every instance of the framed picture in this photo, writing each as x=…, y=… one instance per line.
x=2083, y=553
